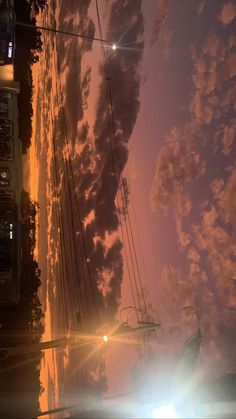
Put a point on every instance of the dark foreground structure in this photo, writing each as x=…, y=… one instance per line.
x=10, y=163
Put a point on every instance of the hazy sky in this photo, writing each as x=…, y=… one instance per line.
x=172, y=123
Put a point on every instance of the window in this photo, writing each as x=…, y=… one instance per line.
x=4, y=176
x=5, y=258
x=5, y=276
x=7, y=95
x=7, y=196
x=6, y=140
x=6, y=229
x=3, y=107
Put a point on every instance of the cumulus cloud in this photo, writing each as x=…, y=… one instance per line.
x=85, y=85
x=73, y=86
x=207, y=284
x=101, y=150
x=214, y=67
x=224, y=195
x=205, y=230
x=193, y=255
x=230, y=198
x=227, y=13
x=229, y=133
x=178, y=164
x=218, y=244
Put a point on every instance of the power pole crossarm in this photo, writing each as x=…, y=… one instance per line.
x=125, y=330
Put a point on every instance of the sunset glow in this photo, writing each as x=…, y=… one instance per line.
x=132, y=165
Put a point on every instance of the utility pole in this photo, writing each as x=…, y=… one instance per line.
x=30, y=348
x=79, y=339
x=57, y=31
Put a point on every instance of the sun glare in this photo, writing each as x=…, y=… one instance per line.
x=165, y=412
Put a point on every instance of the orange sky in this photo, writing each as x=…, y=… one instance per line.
x=174, y=92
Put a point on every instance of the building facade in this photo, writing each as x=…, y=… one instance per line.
x=10, y=197
x=10, y=168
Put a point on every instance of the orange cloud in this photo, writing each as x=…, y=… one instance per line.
x=178, y=164
x=228, y=13
x=228, y=138
x=214, y=65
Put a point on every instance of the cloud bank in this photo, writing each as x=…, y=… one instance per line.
x=195, y=177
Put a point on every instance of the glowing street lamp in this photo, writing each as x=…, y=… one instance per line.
x=114, y=47
x=105, y=338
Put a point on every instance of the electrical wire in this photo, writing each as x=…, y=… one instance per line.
x=119, y=177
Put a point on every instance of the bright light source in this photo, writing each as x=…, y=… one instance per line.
x=105, y=338
x=114, y=47
x=165, y=412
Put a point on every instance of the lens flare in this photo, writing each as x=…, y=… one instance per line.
x=165, y=412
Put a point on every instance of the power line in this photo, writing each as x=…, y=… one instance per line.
x=114, y=164
x=69, y=168
x=62, y=269
x=117, y=168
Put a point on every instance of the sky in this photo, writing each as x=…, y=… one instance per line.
x=159, y=112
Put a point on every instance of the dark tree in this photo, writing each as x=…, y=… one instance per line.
x=21, y=324
x=28, y=45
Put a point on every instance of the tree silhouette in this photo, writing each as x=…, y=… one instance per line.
x=28, y=46
x=23, y=323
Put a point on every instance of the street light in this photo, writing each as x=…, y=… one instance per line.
x=105, y=338
x=114, y=47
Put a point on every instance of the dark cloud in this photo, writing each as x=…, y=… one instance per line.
x=73, y=97
x=83, y=133
x=73, y=17
x=100, y=150
x=71, y=50
x=86, y=27
x=125, y=17
x=82, y=7
x=85, y=85
x=112, y=252
x=108, y=149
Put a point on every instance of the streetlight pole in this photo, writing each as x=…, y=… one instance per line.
x=78, y=340
x=57, y=31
